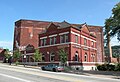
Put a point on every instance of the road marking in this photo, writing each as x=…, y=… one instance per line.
x=20, y=79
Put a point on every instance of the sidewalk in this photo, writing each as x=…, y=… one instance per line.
x=26, y=66
x=115, y=75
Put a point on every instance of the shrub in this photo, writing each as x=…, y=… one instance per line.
x=102, y=67
x=67, y=68
x=117, y=68
x=106, y=67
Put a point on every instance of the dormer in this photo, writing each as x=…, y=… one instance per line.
x=51, y=27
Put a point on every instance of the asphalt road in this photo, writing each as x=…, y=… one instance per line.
x=20, y=74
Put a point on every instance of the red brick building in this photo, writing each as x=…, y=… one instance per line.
x=26, y=33
x=77, y=41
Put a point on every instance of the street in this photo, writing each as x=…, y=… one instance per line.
x=21, y=74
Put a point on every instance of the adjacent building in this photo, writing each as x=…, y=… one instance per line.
x=2, y=54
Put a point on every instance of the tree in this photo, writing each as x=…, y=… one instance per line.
x=37, y=56
x=16, y=55
x=63, y=56
x=7, y=55
x=107, y=33
x=112, y=26
x=114, y=22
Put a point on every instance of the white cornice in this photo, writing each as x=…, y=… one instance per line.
x=75, y=33
x=63, y=33
x=53, y=35
x=66, y=43
x=88, y=38
x=43, y=37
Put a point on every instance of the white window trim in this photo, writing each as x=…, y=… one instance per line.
x=50, y=57
x=67, y=43
x=75, y=33
x=76, y=39
x=61, y=39
x=43, y=37
x=89, y=47
x=75, y=43
x=54, y=40
x=53, y=35
x=51, y=40
x=87, y=38
x=82, y=36
x=63, y=33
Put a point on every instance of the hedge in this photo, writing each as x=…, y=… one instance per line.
x=108, y=67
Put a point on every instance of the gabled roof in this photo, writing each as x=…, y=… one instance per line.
x=64, y=24
x=82, y=25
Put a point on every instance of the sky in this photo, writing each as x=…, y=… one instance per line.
x=93, y=12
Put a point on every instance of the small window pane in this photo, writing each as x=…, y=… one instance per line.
x=51, y=41
x=55, y=40
x=85, y=41
x=66, y=37
x=61, y=39
x=76, y=39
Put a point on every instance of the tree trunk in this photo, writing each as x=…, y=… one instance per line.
x=109, y=48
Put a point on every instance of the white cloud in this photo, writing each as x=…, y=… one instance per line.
x=6, y=44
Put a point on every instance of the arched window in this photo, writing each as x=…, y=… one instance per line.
x=52, y=57
x=76, y=56
x=93, y=57
x=85, y=57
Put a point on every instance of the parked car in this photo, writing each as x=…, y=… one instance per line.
x=52, y=67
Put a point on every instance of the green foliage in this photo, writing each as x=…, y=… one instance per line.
x=16, y=55
x=17, y=63
x=117, y=67
x=7, y=55
x=63, y=56
x=113, y=23
x=67, y=68
x=115, y=51
x=37, y=56
x=108, y=67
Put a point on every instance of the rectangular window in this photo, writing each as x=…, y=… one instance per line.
x=52, y=57
x=55, y=41
x=41, y=42
x=66, y=37
x=43, y=57
x=44, y=42
x=51, y=41
x=61, y=39
x=93, y=58
x=85, y=41
x=76, y=38
x=92, y=44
